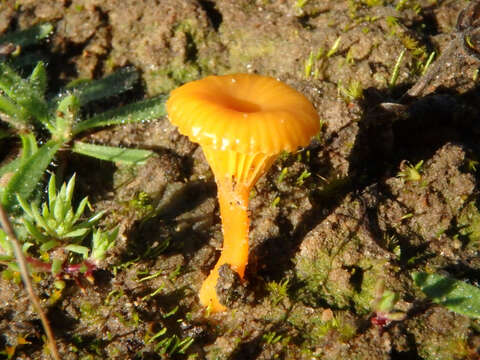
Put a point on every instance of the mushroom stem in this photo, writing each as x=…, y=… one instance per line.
x=235, y=174
x=233, y=202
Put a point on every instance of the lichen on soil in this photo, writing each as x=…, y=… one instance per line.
x=328, y=223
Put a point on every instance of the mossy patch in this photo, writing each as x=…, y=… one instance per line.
x=468, y=224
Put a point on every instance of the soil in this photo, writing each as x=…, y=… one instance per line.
x=330, y=225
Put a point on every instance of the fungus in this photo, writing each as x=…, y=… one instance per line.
x=242, y=122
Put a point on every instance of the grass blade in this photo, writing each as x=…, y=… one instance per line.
x=143, y=110
x=110, y=153
x=455, y=295
x=29, y=173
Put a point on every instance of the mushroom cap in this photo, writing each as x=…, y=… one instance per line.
x=246, y=113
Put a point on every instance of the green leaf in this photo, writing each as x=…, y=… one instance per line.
x=113, y=84
x=35, y=232
x=29, y=36
x=41, y=220
x=18, y=116
x=57, y=265
x=96, y=217
x=38, y=79
x=102, y=242
x=387, y=301
x=80, y=209
x=69, y=190
x=79, y=232
x=49, y=245
x=29, y=145
x=66, y=115
x=5, y=244
x=52, y=191
x=140, y=111
x=110, y=153
x=455, y=295
x=25, y=206
x=79, y=249
x=21, y=91
x=6, y=258
x=60, y=208
x=29, y=173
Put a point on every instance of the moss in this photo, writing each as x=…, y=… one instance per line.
x=468, y=224
x=196, y=58
x=440, y=334
x=143, y=203
x=372, y=271
x=89, y=313
x=245, y=51
x=165, y=79
x=325, y=281
x=317, y=327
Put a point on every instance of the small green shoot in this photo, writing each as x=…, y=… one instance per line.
x=333, y=50
x=299, y=4
x=282, y=175
x=166, y=344
x=396, y=70
x=278, y=290
x=428, y=62
x=353, y=91
x=409, y=4
x=271, y=338
x=316, y=61
x=384, y=304
x=410, y=172
x=303, y=176
x=102, y=242
x=275, y=201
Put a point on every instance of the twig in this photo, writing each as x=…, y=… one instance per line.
x=22, y=264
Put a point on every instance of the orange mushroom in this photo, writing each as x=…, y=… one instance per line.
x=242, y=122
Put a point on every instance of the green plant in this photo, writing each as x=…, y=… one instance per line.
x=396, y=70
x=278, y=290
x=411, y=172
x=166, y=344
x=24, y=107
x=300, y=3
x=54, y=234
x=383, y=306
x=271, y=337
x=29, y=110
x=316, y=61
x=353, y=91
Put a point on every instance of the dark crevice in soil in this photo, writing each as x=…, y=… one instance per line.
x=213, y=14
x=411, y=354
x=96, y=175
